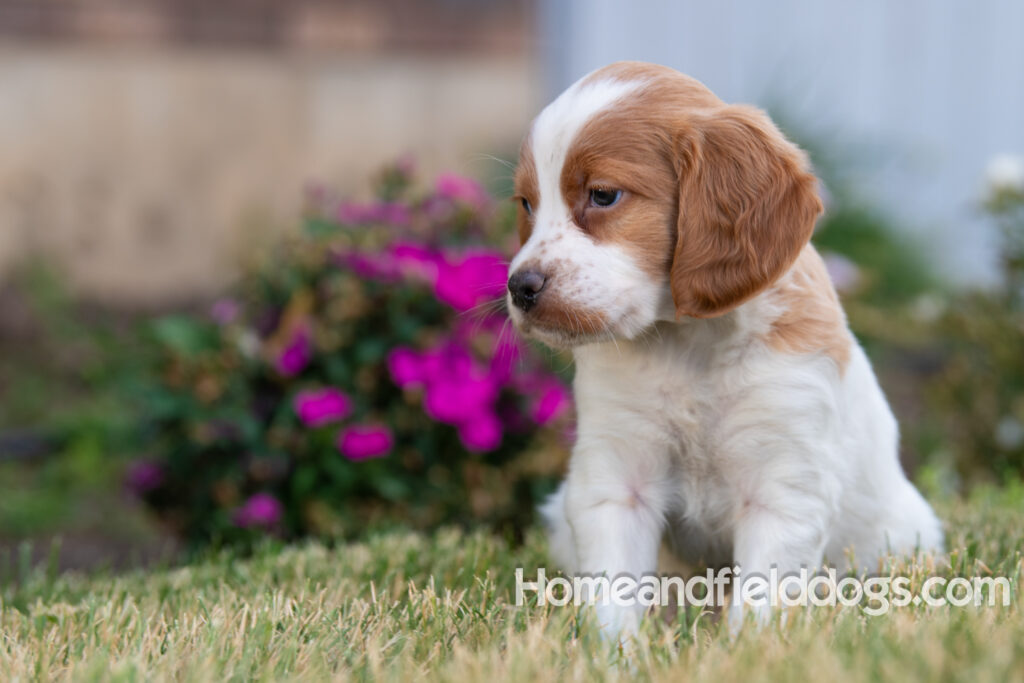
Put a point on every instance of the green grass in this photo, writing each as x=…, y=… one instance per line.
x=405, y=606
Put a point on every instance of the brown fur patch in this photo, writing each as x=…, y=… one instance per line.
x=813, y=319
x=616, y=151
x=717, y=181
x=526, y=188
x=631, y=147
x=747, y=206
x=552, y=313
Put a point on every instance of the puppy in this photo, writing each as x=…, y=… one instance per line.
x=723, y=404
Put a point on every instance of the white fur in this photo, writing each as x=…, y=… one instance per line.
x=697, y=431
x=604, y=278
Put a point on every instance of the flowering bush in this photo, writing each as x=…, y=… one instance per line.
x=364, y=374
x=980, y=392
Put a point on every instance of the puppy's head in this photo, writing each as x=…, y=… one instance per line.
x=643, y=195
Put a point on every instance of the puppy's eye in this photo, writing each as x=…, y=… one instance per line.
x=526, y=206
x=602, y=197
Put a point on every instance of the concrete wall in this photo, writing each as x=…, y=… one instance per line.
x=146, y=174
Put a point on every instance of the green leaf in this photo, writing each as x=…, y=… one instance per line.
x=184, y=335
x=319, y=227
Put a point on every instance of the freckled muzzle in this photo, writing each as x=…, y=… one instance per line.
x=525, y=287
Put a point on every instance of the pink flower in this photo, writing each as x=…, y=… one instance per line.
x=553, y=401
x=461, y=189
x=458, y=399
x=393, y=213
x=296, y=355
x=481, y=432
x=361, y=442
x=144, y=476
x=405, y=367
x=369, y=265
x=447, y=360
x=507, y=353
x=322, y=406
x=401, y=259
x=261, y=510
x=352, y=213
x=464, y=284
x=416, y=261
x=224, y=311
x=457, y=391
x=409, y=368
x=550, y=398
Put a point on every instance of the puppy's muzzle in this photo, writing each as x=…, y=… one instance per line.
x=525, y=288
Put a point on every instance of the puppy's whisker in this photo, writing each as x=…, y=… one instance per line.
x=483, y=156
x=483, y=308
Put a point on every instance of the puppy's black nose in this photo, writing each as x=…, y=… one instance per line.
x=525, y=287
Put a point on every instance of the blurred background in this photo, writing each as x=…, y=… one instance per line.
x=232, y=235
x=147, y=143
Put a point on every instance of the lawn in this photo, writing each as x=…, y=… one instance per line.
x=403, y=606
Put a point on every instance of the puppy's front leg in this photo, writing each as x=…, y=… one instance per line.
x=769, y=539
x=616, y=508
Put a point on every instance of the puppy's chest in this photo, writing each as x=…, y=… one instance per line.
x=670, y=407
x=658, y=401
x=679, y=406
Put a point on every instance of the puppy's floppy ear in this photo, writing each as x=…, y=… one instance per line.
x=747, y=206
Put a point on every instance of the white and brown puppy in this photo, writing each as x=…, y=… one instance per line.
x=722, y=401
